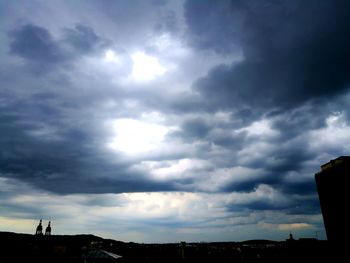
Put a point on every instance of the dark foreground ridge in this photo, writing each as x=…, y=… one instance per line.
x=89, y=248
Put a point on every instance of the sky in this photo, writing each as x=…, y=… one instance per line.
x=167, y=121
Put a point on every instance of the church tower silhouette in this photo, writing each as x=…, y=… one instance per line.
x=48, y=229
x=39, y=229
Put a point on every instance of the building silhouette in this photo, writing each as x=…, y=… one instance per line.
x=39, y=228
x=48, y=229
x=333, y=185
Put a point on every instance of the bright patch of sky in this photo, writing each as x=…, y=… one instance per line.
x=134, y=136
x=146, y=67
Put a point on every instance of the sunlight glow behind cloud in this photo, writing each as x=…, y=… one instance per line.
x=134, y=136
x=111, y=57
x=146, y=67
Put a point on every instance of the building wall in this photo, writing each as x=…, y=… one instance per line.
x=333, y=190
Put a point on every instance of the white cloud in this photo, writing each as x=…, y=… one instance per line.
x=334, y=136
x=260, y=129
x=219, y=178
x=263, y=193
x=147, y=217
x=181, y=168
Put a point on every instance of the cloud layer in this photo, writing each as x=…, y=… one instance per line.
x=207, y=119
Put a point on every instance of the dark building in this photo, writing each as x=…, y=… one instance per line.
x=48, y=229
x=334, y=191
x=39, y=228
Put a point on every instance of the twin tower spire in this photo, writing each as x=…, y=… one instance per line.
x=39, y=229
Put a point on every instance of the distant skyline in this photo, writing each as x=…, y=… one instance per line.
x=168, y=121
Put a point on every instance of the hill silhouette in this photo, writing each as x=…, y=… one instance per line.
x=90, y=248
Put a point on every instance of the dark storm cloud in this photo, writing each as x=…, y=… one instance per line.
x=293, y=51
x=212, y=130
x=299, y=198
x=37, y=45
x=310, y=117
x=245, y=186
x=305, y=207
x=46, y=138
x=278, y=166
x=288, y=158
x=306, y=187
x=242, y=141
x=231, y=141
x=59, y=151
x=168, y=22
x=63, y=169
x=82, y=38
x=41, y=149
x=260, y=205
x=196, y=128
x=294, y=73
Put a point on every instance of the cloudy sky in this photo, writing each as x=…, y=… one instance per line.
x=162, y=121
